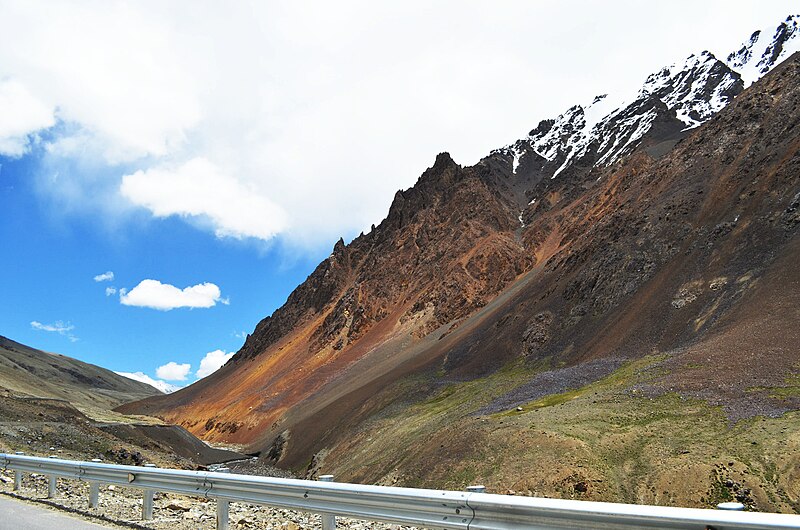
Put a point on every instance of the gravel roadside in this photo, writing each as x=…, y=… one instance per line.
x=122, y=507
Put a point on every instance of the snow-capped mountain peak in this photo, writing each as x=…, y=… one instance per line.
x=696, y=89
x=679, y=96
x=765, y=49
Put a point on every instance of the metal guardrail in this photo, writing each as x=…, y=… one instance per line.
x=437, y=509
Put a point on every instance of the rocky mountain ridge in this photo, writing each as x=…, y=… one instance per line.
x=526, y=264
x=690, y=93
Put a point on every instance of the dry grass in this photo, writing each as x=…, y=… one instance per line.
x=605, y=441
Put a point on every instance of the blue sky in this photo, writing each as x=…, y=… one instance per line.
x=221, y=149
x=52, y=260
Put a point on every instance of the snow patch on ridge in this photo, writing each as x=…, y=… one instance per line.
x=515, y=163
x=765, y=49
x=695, y=90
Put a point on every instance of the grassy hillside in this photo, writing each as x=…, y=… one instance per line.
x=28, y=372
x=612, y=440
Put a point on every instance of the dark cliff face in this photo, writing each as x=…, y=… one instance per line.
x=409, y=263
x=447, y=196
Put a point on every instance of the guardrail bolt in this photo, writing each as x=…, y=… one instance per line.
x=733, y=506
x=222, y=514
x=328, y=519
x=477, y=489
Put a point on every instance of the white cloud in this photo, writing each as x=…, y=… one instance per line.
x=132, y=95
x=23, y=114
x=163, y=386
x=307, y=118
x=212, y=362
x=110, y=291
x=173, y=371
x=105, y=277
x=58, y=327
x=199, y=189
x=164, y=297
x=62, y=328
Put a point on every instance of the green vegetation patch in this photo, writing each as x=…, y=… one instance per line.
x=606, y=441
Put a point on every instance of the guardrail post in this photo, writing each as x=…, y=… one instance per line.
x=328, y=519
x=18, y=475
x=51, y=483
x=94, y=495
x=147, y=505
x=94, y=490
x=477, y=489
x=147, y=501
x=223, y=506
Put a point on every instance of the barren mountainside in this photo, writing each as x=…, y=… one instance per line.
x=635, y=260
x=28, y=372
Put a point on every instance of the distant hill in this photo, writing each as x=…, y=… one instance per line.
x=28, y=372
